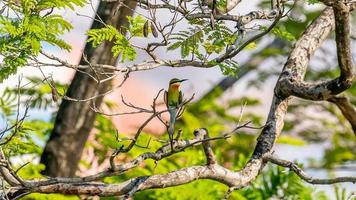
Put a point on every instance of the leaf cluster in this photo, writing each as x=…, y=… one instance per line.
x=111, y=34
x=37, y=93
x=201, y=41
x=21, y=37
x=201, y=36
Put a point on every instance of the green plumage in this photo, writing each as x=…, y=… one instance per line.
x=174, y=98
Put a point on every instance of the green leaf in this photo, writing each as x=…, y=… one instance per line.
x=21, y=38
x=229, y=67
x=282, y=33
x=251, y=45
x=291, y=141
x=136, y=25
x=188, y=41
x=121, y=44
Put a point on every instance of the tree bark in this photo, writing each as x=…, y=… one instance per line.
x=75, y=120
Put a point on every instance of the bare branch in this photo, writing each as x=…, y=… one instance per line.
x=298, y=59
x=133, y=140
x=6, y=171
x=232, y=53
x=85, y=185
x=347, y=109
x=18, y=121
x=244, y=19
x=135, y=67
x=295, y=168
x=209, y=154
x=179, y=177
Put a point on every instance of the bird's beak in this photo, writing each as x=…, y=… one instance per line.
x=183, y=80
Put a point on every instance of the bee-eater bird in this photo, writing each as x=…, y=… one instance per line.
x=173, y=99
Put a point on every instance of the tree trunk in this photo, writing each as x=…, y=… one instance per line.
x=75, y=120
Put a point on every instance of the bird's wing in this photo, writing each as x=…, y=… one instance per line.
x=165, y=98
x=180, y=98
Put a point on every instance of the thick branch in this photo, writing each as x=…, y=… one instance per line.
x=343, y=42
x=84, y=186
x=242, y=20
x=296, y=65
x=347, y=109
x=5, y=172
x=179, y=177
x=293, y=76
x=209, y=154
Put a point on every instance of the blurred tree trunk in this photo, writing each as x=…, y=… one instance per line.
x=75, y=120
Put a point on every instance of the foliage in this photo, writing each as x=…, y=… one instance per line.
x=135, y=28
x=122, y=45
x=212, y=41
x=21, y=37
x=340, y=193
x=109, y=33
x=8, y=105
x=36, y=92
x=27, y=138
x=229, y=67
x=283, y=34
x=280, y=184
x=342, y=150
x=188, y=41
x=313, y=1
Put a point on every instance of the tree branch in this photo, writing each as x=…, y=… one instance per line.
x=295, y=168
x=86, y=186
x=5, y=172
x=295, y=66
x=347, y=109
x=179, y=177
x=209, y=154
x=292, y=77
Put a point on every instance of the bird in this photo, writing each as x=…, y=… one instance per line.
x=173, y=99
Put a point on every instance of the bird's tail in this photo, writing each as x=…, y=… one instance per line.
x=171, y=127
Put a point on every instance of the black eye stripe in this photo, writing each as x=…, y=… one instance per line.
x=176, y=81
